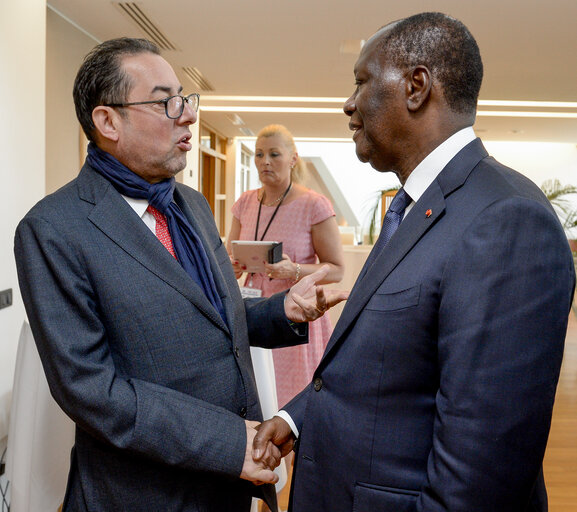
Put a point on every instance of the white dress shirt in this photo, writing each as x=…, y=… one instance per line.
x=430, y=167
x=140, y=206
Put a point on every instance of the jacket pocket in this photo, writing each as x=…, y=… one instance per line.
x=370, y=498
x=395, y=301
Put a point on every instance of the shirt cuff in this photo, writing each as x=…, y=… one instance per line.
x=286, y=416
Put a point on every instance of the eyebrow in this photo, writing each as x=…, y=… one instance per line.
x=166, y=89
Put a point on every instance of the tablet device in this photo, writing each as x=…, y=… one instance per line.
x=253, y=253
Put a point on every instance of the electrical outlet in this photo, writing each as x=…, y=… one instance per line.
x=5, y=298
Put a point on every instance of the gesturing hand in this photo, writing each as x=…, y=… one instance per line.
x=306, y=301
x=274, y=432
x=259, y=471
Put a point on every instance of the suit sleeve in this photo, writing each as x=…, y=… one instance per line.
x=504, y=302
x=129, y=413
x=296, y=407
x=268, y=326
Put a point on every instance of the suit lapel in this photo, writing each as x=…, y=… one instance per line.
x=193, y=213
x=115, y=218
x=414, y=226
x=422, y=217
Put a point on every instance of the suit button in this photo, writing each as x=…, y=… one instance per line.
x=236, y=352
x=318, y=384
x=242, y=412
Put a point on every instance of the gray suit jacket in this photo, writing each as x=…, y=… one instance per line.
x=158, y=385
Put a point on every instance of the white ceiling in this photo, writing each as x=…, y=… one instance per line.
x=292, y=49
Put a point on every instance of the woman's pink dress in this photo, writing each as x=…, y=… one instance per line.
x=294, y=366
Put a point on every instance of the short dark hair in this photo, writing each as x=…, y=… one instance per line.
x=101, y=80
x=446, y=47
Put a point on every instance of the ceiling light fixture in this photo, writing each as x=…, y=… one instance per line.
x=327, y=99
x=539, y=109
x=281, y=99
x=534, y=104
x=280, y=110
x=520, y=113
x=326, y=110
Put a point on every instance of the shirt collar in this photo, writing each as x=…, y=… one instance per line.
x=138, y=205
x=426, y=172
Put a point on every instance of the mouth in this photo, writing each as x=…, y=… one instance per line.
x=355, y=127
x=184, y=142
x=356, y=131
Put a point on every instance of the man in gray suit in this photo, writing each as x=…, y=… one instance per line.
x=147, y=349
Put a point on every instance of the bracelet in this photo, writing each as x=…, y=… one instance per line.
x=298, y=274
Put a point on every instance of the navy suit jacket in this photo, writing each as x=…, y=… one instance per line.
x=436, y=390
x=157, y=384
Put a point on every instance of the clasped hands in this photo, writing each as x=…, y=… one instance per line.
x=266, y=444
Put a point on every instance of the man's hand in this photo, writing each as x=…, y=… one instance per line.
x=274, y=432
x=306, y=301
x=259, y=471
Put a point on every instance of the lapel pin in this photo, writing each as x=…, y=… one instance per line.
x=428, y=213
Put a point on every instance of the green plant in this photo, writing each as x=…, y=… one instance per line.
x=565, y=208
x=567, y=213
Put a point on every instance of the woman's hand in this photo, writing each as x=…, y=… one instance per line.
x=284, y=269
x=237, y=267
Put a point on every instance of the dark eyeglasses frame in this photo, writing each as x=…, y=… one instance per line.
x=184, y=99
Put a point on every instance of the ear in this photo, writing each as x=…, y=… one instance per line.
x=294, y=159
x=106, y=120
x=419, y=83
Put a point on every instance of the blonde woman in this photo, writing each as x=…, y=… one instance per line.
x=284, y=210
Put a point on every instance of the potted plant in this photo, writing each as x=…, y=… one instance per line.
x=565, y=208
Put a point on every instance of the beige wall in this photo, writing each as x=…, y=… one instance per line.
x=66, y=47
x=22, y=163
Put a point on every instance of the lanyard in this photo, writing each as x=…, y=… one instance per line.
x=273, y=214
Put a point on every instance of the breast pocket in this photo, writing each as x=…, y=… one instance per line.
x=395, y=301
x=370, y=497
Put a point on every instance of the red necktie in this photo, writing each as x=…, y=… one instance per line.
x=162, y=229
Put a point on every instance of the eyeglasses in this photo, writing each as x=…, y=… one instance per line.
x=173, y=106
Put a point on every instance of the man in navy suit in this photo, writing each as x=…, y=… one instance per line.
x=436, y=390
x=145, y=346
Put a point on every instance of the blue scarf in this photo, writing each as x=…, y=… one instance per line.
x=187, y=245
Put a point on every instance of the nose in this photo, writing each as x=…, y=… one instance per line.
x=349, y=107
x=189, y=115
